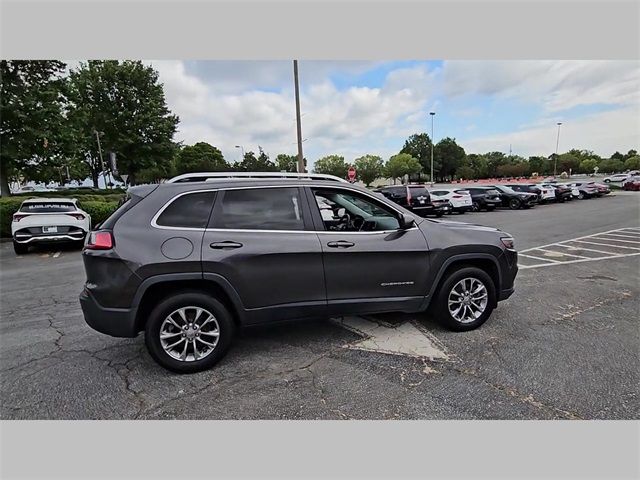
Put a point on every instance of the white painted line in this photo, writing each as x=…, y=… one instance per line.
x=570, y=240
x=525, y=267
x=606, y=245
x=585, y=248
x=633, y=229
x=623, y=235
x=56, y=255
x=538, y=258
x=614, y=239
x=561, y=253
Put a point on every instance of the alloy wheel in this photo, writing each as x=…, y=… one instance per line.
x=189, y=334
x=468, y=299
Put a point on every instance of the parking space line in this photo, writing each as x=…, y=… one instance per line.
x=606, y=245
x=561, y=253
x=526, y=267
x=56, y=255
x=614, y=239
x=539, y=258
x=573, y=239
x=585, y=248
x=623, y=235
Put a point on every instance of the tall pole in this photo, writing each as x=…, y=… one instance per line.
x=433, y=114
x=242, y=150
x=104, y=175
x=555, y=157
x=301, y=168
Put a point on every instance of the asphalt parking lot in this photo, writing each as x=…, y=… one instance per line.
x=566, y=345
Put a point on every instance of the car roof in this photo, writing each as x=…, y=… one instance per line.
x=227, y=183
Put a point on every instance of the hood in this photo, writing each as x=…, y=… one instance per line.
x=463, y=226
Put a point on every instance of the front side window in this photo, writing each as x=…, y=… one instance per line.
x=260, y=209
x=191, y=210
x=351, y=212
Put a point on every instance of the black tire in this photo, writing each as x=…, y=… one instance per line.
x=439, y=214
x=20, y=248
x=581, y=196
x=475, y=207
x=439, y=306
x=462, y=212
x=515, y=204
x=490, y=208
x=184, y=299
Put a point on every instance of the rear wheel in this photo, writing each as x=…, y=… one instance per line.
x=20, y=248
x=581, y=196
x=465, y=299
x=189, y=332
x=439, y=214
x=514, y=204
x=475, y=206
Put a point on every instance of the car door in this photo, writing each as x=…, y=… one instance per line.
x=373, y=266
x=261, y=241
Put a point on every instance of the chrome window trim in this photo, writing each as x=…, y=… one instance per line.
x=251, y=187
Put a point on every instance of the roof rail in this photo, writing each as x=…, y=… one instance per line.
x=210, y=176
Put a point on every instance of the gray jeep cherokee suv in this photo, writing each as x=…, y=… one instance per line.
x=190, y=260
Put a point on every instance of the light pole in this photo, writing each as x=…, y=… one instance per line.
x=104, y=174
x=555, y=157
x=433, y=114
x=301, y=168
x=242, y=149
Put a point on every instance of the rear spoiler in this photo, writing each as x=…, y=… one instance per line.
x=141, y=191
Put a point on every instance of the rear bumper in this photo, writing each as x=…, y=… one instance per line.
x=117, y=322
x=23, y=236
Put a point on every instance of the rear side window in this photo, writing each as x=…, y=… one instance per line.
x=260, y=209
x=48, y=207
x=191, y=210
x=439, y=193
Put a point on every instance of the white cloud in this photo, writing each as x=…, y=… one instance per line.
x=604, y=133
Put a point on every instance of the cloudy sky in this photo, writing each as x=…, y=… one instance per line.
x=354, y=108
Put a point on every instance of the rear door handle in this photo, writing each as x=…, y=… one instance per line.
x=340, y=244
x=225, y=245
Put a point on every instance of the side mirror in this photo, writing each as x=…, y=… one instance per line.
x=406, y=222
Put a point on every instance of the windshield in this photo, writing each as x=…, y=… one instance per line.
x=502, y=188
x=48, y=207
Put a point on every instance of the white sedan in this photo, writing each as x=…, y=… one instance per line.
x=459, y=198
x=43, y=220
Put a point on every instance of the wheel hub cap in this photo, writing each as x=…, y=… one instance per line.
x=468, y=300
x=189, y=334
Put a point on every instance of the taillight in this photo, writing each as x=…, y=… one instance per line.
x=77, y=216
x=100, y=241
x=17, y=217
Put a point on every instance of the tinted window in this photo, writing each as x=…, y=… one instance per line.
x=48, y=207
x=188, y=211
x=439, y=193
x=354, y=213
x=415, y=191
x=260, y=209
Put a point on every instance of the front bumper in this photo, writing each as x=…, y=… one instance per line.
x=117, y=322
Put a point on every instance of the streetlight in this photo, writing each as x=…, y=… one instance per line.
x=104, y=174
x=555, y=158
x=241, y=148
x=433, y=114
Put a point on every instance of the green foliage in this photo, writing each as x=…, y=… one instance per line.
x=540, y=165
x=261, y=163
x=402, y=164
x=201, y=157
x=99, y=211
x=465, y=172
x=612, y=165
x=368, y=168
x=31, y=120
x=287, y=163
x=632, y=163
x=8, y=206
x=567, y=162
x=125, y=103
x=516, y=169
x=332, y=165
x=418, y=146
x=588, y=165
x=448, y=155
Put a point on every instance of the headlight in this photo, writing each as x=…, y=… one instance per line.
x=522, y=195
x=508, y=242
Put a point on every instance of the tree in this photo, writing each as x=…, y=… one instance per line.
x=261, y=163
x=617, y=156
x=418, y=146
x=612, y=165
x=368, y=168
x=448, y=155
x=200, y=157
x=632, y=163
x=567, y=162
x=465, y=172
x=332, y=165
x=402, y=164
x=31, y=101
x=478, y=164
x=588, y=165
x=540, y=165
x=630, y=154
x=125, y=104
x=287, y=163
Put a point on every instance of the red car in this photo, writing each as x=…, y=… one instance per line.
x=602, y=188
x=632, y=183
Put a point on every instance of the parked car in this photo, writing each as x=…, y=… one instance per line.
x=484, y=198
x=188, y=262
x=459, y=199
x=602, y=188
x=530, y=188
x=416, y=198
x=632, y=183
x=561, y=193
x=617, y=178
x=515, y=200
x=47, y=220
x=585, y=189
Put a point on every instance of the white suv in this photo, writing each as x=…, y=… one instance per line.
x=42, y=220
x=617, y=178
x=459, y=198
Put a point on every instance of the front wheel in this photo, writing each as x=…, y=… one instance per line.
x=581, y=196
x=189, y=332
x=475, y=206
x=514, y=204
x=465, y=299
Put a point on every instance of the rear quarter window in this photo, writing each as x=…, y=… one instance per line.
x=190, y=210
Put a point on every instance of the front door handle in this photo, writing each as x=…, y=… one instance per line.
x=225, y=245
x=340, y=244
